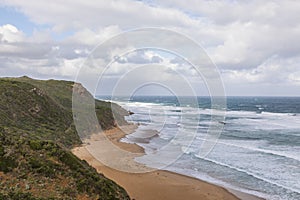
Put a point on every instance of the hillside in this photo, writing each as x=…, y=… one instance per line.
x=36, y=133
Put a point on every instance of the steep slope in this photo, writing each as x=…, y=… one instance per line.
x=36, y=130
x=26, y=108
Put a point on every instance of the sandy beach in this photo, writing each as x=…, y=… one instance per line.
x=153, y=185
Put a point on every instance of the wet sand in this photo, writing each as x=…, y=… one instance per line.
x=151, y=185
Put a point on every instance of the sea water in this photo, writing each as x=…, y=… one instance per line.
x=258, y=151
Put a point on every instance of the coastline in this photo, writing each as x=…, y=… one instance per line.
x=158, y=184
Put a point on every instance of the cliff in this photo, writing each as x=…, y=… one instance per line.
x=36, y=132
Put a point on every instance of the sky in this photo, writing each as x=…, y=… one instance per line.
x=254, y=45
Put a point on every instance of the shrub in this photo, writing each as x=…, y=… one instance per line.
x=70, y=192
x=70, y=160
x=35, y=163
x=35, y=144
x=7, y=164
x=2, y=152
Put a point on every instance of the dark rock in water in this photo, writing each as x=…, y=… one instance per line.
x=130, y=112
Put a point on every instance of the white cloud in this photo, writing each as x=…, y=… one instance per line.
x=274, y=71
x=10, y=33
x=253, y=42
x=91, y=37
x=295, y=78
x=140, y=57
x=224, y=12
x=78, y=14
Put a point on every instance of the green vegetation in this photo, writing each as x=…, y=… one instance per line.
x=36, y=133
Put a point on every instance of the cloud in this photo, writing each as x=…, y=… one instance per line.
x=140, y=76
x=80, y=14
x=10, y=33
x=264, y=12
x=274, y=71
x=253, y=42
x=40, y=55
x=140, y=57
x=247, y=34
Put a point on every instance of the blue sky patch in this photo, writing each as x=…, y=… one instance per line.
x=9, y=15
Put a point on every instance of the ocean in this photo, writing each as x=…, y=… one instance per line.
x=258, y=151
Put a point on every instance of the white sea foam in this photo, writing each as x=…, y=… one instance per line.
x=251, y=174
x=251, y=154
x=202, y=176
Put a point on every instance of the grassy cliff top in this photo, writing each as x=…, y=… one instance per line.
x=36, y=132
x=43, y=109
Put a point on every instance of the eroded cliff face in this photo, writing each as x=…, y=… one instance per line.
x=36, y=131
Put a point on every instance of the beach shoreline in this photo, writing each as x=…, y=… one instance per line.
x=154, y=184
